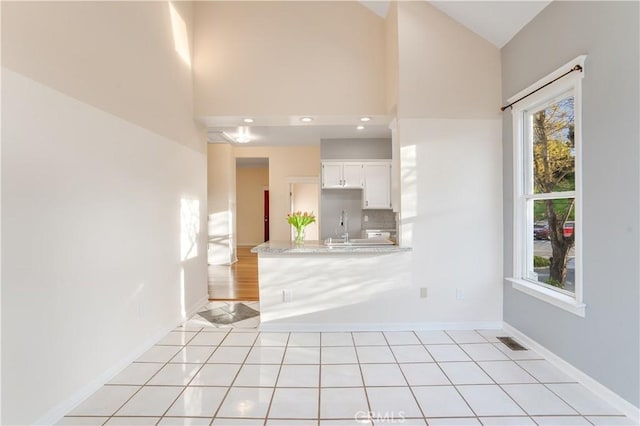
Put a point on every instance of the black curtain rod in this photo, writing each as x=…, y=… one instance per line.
x=575, y=68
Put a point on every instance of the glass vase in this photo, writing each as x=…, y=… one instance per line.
x=299, y=239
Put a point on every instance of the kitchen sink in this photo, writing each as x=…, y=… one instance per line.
x=357, y=242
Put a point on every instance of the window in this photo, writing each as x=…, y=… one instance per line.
x=547, y=190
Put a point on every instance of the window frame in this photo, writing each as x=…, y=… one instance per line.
x=568, y=85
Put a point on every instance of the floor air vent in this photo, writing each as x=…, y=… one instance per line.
x=512, y=344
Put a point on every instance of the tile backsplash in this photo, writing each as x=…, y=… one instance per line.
x=379, y=219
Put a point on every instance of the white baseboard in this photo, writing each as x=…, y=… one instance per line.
x=584, y=379
x=56, y=413
x=295, y=326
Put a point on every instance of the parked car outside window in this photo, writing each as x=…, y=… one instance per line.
x=541, y=231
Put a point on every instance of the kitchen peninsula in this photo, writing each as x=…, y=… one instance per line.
x=315, y=286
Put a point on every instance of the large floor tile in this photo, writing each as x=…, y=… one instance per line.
x=237, y=422
x=582, y=400
x=505, y=372
x=341, y=376
x=424, y=374
x=401, y=338
x=105, y=401
x=207, y=339
x=336, y=339
x=398, y=401
x=151, y=401
x=561, y=421
x=184, y=421
x=137, y=373
x=507, y=421
x=360, y=421
x=299, y=376
x=465, y=373
x=611, y=421
x=382, y=375
x=257, y=375
x=229, y=355
x=342, y=403
x=492, y=335
x=466, y=336
x=444, y=353
x=216, y=375
x=489, y=400
x=175, y=374
x=338, y=355
x=538, y=400
x=411, y=353
x=193, y=354
x=132, y=421
x=302, y=355
x=305, y=406
x=304, y=339
x=454, y=421
x=517, y=355
x=246, y=402
x=265, y=355
x=375, y=354
x=483, y=352
x=441, y=401
x=272, y=339
x=544, y=371
x=239, y=339
x=433, y=337
x=198, y=402
x=366, y=338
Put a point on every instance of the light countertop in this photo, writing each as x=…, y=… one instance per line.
x=318, y=247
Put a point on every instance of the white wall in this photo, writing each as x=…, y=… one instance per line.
x=288, y=57
x=451, y=215
x=103, y=197
x=221, y=200
x=448, y=134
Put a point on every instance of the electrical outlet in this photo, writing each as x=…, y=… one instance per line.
x=423, y=292
x=459, y=294
x=287, y=295
x=366, y=218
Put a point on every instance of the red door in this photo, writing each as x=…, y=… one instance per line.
x=266, y=215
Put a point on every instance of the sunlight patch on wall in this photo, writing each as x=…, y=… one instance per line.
x=180, y=36
x=409, y=195
x=220, y=243
x=189, y=228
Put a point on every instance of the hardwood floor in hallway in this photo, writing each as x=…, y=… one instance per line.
x=235, y=282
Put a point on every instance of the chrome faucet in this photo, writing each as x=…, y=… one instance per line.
x=344, y=223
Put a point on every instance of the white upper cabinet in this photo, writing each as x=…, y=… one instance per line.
x=342, y=174
x=377, y=185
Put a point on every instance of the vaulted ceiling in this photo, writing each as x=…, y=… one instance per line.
x=495, y=21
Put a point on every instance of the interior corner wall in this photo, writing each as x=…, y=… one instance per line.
x=327, y=58
x=449, y=141
x=605, y=344
x=250, y=186
x=221, y=200
x=103, y=207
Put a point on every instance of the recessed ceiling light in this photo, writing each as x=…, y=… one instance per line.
x=365, y=119
x=248, y=120
x=360, y=127
x=306, y=119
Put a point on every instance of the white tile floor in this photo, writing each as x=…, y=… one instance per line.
x=200, y=374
